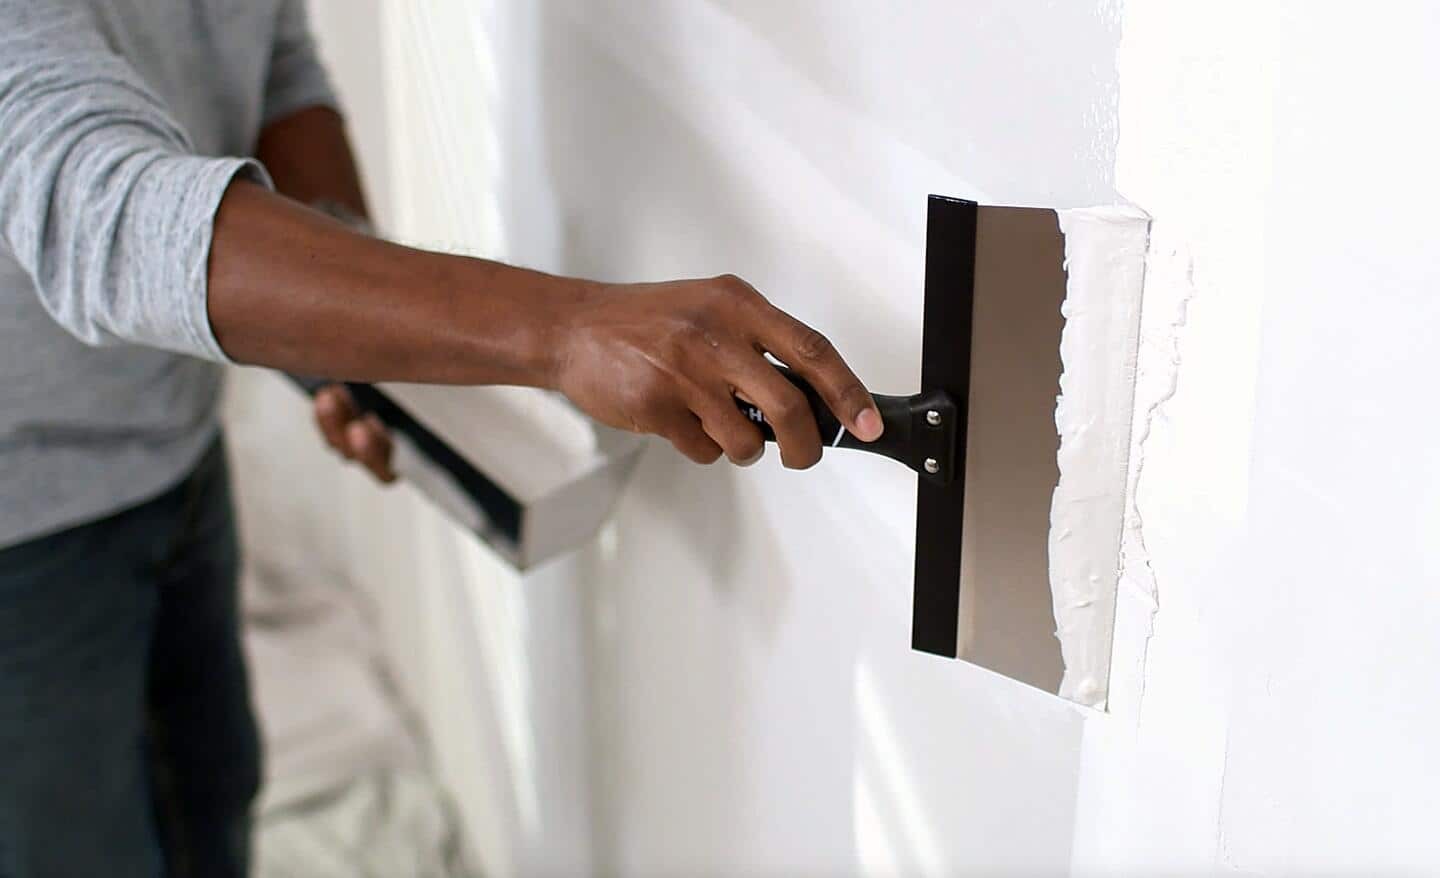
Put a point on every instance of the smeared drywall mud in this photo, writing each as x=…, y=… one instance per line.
x=1105, y=252
x=1169, y=268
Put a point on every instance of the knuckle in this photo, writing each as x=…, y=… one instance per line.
x=812, y=345
x=789, y=410
x=735, y=287
x=731, y=283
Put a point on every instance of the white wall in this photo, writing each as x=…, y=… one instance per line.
x=755, y=705
x=733, y=653
x=1278, y=720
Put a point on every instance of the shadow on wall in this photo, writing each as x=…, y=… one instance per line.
x=673, y=209
x=697, y=546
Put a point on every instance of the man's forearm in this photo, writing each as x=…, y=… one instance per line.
x=294, y=290
x=291, y=290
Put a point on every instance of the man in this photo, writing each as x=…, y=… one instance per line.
x=140, y=247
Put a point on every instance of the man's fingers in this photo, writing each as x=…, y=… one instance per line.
x=811, y=355
x=690, y=439
x=369, y=444
x=786, y=408
x=334, y=410
x=354, y=437
x=741, y=440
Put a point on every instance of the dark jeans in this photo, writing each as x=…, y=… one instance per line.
x=127, y=742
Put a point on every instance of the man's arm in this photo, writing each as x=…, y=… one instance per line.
x=309, y=157
x=292, y=289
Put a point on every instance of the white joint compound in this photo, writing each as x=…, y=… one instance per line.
x=1105, y=261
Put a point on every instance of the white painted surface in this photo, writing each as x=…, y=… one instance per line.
x=723, y=686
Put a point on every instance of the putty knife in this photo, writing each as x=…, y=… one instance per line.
x=981, y=437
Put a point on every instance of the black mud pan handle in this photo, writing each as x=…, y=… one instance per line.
x=487, y=508
x=523, y=527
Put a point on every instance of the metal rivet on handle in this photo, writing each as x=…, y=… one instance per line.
x=932, y=418
x=932, y=466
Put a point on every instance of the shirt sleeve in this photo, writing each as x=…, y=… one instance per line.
x=297, y=79
x=102, y=199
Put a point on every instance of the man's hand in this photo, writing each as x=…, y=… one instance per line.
x=670, y=358
x=361, y=438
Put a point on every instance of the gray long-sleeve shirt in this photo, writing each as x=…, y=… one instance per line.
x=116, y=120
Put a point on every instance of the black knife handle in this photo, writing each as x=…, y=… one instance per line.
x=919, y=432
